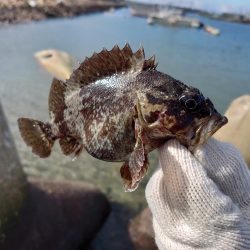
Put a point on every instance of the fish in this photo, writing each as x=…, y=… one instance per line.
x=118, y=107
x=58, y=63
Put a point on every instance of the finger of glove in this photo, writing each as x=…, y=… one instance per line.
x=184, y=192
x=227, y=168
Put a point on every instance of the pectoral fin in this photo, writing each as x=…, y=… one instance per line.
x=131, y=179
x=135, y=168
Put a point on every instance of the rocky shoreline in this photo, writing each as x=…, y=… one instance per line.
x=17, y=11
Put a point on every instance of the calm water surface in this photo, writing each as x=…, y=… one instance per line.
x=219, y=66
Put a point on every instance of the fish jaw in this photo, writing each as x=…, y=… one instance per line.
x=207, y=129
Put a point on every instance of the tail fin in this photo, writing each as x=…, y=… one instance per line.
x=38, y=135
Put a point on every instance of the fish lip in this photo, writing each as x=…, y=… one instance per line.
x=207, y=129
x=219, y=121
x=215, y=122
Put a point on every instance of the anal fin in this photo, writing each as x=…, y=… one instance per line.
x=71, y=146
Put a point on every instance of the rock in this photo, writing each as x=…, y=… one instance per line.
x=237, y=131
x=114, y=233
x=58, y=215
x=141, y=231
x=16, y=11
x=12, y=179
x=58, y=63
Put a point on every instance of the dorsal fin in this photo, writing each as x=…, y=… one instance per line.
x=107, y=63
x=56, y=97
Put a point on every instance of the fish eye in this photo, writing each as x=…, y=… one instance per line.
x=191, y=103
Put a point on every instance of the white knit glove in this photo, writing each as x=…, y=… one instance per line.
x=201, y=201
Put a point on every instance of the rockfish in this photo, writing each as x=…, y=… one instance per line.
x=118, y=107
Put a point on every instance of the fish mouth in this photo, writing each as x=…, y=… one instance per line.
x=206, y=129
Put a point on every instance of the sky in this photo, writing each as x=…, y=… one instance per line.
x=218, y=6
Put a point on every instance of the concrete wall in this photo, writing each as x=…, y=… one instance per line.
x=12, y=178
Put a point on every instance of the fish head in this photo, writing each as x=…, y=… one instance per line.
x=200, y=119
x=185, y=115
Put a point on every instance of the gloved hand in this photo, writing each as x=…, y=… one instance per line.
x=200, y=201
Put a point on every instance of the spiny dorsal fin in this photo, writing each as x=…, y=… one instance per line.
x=150, y=63
x=107, y=63
x=56, y=97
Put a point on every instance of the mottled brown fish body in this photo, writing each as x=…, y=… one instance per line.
x=118, y=107
x=107, y=111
